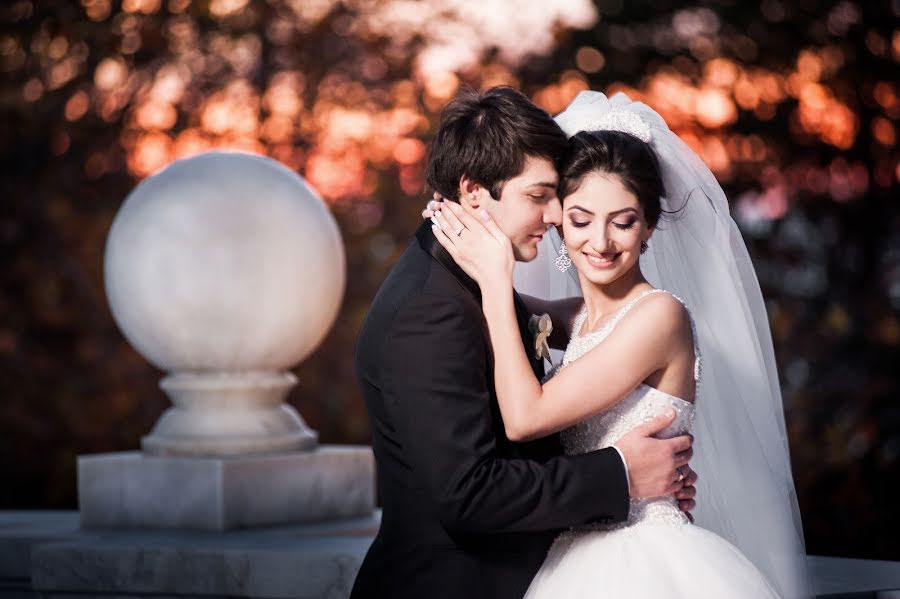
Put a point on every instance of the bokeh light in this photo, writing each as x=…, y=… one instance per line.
x=795, y=110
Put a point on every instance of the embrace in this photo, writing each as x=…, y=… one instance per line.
x=500, y=480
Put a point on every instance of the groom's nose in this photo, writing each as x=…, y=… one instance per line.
x=553, y=212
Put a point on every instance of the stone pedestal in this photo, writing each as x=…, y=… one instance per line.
x=228, y=414
x=136, y=490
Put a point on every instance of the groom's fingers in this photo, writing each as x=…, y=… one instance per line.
x=690, y=479
x=680, y=444
x=687, y=492
x=683, y=457
x=674, y=488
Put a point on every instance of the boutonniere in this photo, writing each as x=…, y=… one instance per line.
x=540, y=328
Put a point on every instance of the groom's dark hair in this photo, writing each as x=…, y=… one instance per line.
x=487, y=137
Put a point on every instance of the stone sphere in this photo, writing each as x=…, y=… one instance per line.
x=224, y=261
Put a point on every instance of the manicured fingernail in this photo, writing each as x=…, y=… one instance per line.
x=484, y=215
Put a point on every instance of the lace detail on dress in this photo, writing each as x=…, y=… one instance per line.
x=639, y=406
x=582, y=344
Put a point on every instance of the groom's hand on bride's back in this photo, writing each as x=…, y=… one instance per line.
x=655, y=465
x=687, y=493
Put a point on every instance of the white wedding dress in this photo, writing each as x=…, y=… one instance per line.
x=657, y=553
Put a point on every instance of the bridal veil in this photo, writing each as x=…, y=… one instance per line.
x=745, y=492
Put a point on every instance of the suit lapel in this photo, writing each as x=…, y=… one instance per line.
x=537, y=364
x=540, y=449
x=430, y=244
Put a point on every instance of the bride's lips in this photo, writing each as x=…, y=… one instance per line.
x=601, y=260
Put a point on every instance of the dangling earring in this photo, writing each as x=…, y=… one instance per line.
x=644, y=247
x=563, y=262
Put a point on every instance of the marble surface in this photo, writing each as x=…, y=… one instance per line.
x=47, y=553
x=227, y=414
x=20, y=530
x=304, y=561
x=314, y=567
x=841, y=575
x=225, y=269
x=135, y=490
x=223, y=262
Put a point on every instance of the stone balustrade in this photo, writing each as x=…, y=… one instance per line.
x=48, y=555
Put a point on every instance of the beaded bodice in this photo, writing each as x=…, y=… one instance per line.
x=639, y=406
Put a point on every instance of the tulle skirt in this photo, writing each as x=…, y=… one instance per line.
x=647, y=561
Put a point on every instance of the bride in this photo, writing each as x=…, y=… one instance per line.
x=643, y=214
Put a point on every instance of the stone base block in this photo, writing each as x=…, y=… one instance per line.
x=306, y=561
x=116, y=568
x=135, y=490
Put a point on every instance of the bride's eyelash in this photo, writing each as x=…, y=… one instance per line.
x=625, y=226
x=622, y=226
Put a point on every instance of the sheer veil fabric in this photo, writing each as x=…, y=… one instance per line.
x=745, y=493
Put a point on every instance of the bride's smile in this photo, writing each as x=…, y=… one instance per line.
x=603, y=260
x=603, y=228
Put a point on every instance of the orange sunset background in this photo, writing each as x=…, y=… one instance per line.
x=793, y=105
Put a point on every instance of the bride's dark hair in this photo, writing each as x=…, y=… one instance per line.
x=615, y=153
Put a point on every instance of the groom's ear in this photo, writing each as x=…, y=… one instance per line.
x=471, y=194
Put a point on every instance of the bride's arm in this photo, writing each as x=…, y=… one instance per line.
x=562, y=313
x=656, y=329
x=639, y=346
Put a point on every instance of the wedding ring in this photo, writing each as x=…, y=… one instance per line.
x=459, y=231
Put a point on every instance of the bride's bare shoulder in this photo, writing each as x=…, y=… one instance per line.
x=665, y=315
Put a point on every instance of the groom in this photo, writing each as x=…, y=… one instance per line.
x=466, y=512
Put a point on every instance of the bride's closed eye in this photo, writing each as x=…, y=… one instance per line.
x=624, y=226
x=579, y=224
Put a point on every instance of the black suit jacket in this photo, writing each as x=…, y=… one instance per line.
x=466, y=512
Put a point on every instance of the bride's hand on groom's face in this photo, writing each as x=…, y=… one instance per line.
x=477, y=245
x=433, y=204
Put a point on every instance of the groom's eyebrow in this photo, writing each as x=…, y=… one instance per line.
x=547, y=184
